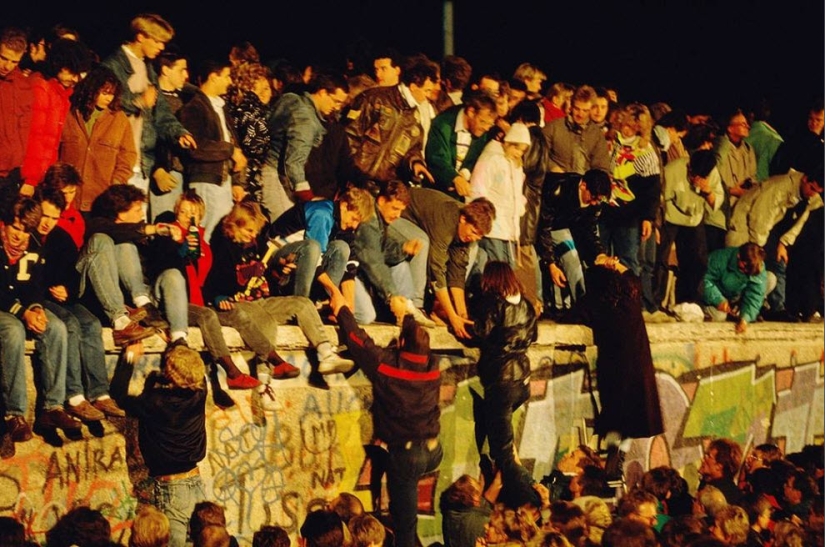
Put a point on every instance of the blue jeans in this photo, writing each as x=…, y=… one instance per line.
x=307, y=257
x=365, y=312
x=499, y=249
x=218, y=200
x=106, y=266
x=276, y=200
x=647, y=259
x=405, y=466
x=50, y=355
x=85, y=355
x=176, y=499
x=623, y=242
x=404, y=230
x=164, y=203
x=170, y=291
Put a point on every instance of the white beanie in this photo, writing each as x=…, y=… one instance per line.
x=518, y=133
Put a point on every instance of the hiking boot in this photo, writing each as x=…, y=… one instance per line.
x=109, y=407
x=614, y=463
x=85, y=411
x=58, y=418
x=153, y=317
x=334, y=363
x=130, y=334
x=18, y=428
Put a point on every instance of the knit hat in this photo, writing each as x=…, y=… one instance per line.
x=518, y=133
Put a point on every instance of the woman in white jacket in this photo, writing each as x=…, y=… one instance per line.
x=498, y=176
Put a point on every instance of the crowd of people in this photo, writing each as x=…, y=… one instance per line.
x=413, y=192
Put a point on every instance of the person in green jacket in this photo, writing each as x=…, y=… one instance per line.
x=735, y=284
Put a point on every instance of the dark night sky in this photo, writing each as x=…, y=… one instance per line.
x=707, y=55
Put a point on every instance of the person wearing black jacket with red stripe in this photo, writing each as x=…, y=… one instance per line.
x=406, y=384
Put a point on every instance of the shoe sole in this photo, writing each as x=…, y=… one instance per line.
x=132, y=339
x=335, y=369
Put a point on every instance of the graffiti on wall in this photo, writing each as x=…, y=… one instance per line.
x=273, y=459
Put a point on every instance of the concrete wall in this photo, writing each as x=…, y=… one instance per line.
x=272, y=465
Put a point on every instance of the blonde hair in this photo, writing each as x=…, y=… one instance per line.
x=192, y=197
x=184, y=368
x=525, y=71
x=243, y=214
x=366, y=530
x=359, y=200
x=150, y=528
x=638, y=116
x=152, y=25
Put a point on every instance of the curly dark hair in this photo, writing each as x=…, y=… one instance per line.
x=84, y=96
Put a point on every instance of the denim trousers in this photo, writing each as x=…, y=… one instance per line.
x=406, y=464
x=160, y=203
x=85, y=355
x=404, y=230
x=623, y=242
x=308, y=258
x=170, y=291
x=50, y=362
x=218, y=200
x=365, y=309
x=276, y=199
x=106, y=265
x=176, y=499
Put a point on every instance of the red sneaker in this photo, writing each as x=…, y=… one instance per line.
x=242, y=381
x=284, y=370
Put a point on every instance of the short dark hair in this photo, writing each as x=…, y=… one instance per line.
x=322, y=528
x=457, y=71
x=702, y=162
x=206, y=513
x=210, y=66
x=60, y=175
x=14, y=38
x=525, y=112
x=728, y=452
x=170, y=55
x=80, y=526
x=419, y=71
x=24, y=209
x=388, y=53
x=327, y=81
x=677, y=119
x=413, y=337
x=478, y=100
x=395, y=189
x=116, y=199
x=52, y=195
x=625, y=532
x=597, y=183
x=480, y=213
x=270, y=536
x=70, y=54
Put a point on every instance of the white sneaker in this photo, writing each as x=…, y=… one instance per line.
x=334, y=363
x=266, y=394
x=419, y=316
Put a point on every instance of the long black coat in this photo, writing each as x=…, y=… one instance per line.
x=612, y=307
